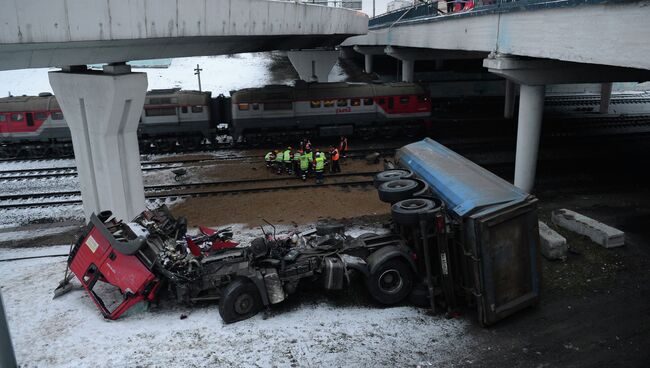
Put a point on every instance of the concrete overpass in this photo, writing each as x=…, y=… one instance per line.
x=528, y=42
x=103, y=108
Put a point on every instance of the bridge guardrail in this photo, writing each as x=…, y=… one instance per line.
x=442, y=8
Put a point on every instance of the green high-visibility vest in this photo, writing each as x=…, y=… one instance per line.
x=310, y=155
x=304, y=162
x=320, y=163
x=287, y=156
x=268, y=156
x=296, y=156
x=278, y=158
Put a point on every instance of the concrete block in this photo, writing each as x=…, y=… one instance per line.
x=600, y=233
x=553, y=244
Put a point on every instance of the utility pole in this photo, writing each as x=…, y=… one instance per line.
x=373, y=8
x=197, y=72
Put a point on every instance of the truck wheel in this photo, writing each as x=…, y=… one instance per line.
x=389, y=175
x=391, y=282
x=240, y=300
x=407, y=212
x=397, y=190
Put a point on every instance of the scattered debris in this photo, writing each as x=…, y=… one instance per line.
x=600, y=233
x=553, y=245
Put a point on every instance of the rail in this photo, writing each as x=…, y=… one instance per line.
x=438, y=9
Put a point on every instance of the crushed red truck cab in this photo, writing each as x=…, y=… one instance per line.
x=98, y=256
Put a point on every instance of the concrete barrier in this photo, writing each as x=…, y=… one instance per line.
x=600, y=233
x=553, y=245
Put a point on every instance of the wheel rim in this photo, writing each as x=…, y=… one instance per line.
x=243, y=304
x=413, y=205
x=390, y=281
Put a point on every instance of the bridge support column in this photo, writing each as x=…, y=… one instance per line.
x=102, y=111
x=408, y=66
x=605, y=97
x=313, y=65
x=531, y=108
x=509, y=108
x=367, y=63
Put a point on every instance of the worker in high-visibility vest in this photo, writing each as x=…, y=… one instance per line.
x=287, y=160
x=335, y=166
x=279, y=161
x=269, y=158
x=304, y=166
x=310, y=156
x=319, y=166
x=296, y=162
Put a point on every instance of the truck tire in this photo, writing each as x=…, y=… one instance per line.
x=397, y=190
x=240, y=300
x=408, y=211
x=389, y=175
x=391, y=282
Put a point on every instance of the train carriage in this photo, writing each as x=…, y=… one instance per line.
x=327, y=109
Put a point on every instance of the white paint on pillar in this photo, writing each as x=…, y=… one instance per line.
x=531, y=107
x=407, y=70
x=102, y=111
x=368, y=63
x=509, y=108
x=605, y=97
x=313, y=65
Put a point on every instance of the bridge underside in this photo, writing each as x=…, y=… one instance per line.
x=41, y=55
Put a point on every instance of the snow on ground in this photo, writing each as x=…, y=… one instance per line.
x=221, y=74
x=28, y=234
x=70, y=331
x=40, y=185
x=36, y=164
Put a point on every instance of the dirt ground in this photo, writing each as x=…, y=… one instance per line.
x=299, y=206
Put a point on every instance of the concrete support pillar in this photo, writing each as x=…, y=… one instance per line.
x=368, y=63
x=313, y=65
x=407, y=70
x=102, y=111
x=605, y=97
x=531, y=107
x=509, y=108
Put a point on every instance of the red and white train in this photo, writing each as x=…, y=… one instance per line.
x=188, y=119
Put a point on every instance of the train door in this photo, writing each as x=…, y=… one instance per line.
x=3, y=124
x=30, y=120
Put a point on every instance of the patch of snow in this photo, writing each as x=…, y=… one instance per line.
x=18, y=216
x=70, y=332
x=35, y=164
x=30, y=234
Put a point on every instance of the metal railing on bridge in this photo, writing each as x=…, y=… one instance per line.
x=440, y=8
x=350, y=4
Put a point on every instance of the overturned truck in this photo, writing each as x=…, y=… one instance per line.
x=460, y=236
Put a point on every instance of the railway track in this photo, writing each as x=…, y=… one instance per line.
x=66, y=171
x=173, y=191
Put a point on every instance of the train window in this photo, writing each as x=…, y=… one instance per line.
x=3, y=118
x=328, y=103
x=197, y=109
x=255, y=106
x=41, y=115
x=381, y=101
x=184, y=109
x=242, y=106
x=17, y=117
x=57, y=115
x=163, y=111
x=404, y=100
x=422, y=98
x=355, y=102
x=367, y=101
x=314, y=104
x=281, y=105
x=161, y=101
x=342, y=102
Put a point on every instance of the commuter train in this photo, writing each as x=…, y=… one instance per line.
x=173, y=118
